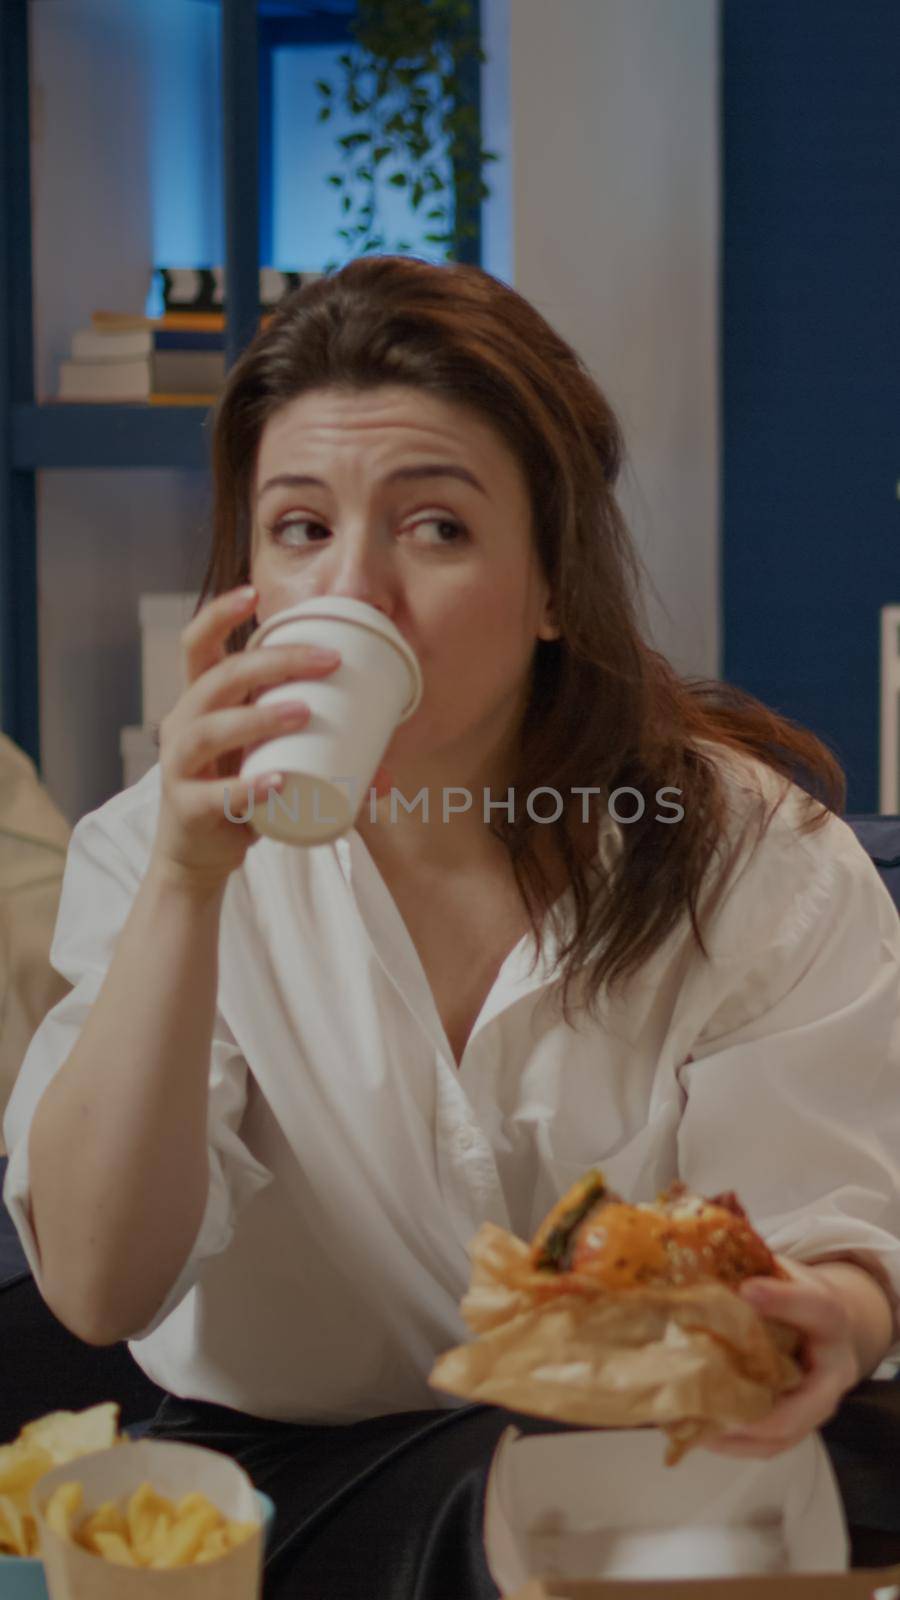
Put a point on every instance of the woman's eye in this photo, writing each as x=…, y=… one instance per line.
x=281, y=528
x=448, y=526
x=444, y=523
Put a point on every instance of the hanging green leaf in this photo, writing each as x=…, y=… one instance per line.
x=401, y=81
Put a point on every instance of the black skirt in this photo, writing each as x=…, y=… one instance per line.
x=392, y=1508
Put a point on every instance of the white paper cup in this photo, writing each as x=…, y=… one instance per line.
x=329, y=764
x=174, y=1470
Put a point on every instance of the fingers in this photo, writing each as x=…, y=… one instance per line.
x=203, y=640
x=789, y=1421
x=193, y=738
x=208, y=737
x=241, y=677
x=807, y=1303
x=205, y=804
x=804, y=1302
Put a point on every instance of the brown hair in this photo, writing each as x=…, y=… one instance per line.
x=605, y=709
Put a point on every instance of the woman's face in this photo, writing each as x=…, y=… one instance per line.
x=416, y=506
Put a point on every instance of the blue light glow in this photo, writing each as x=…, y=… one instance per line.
x=306, y=209
x=186, y=181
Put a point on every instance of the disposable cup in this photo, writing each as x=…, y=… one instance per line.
x=174, y=1469
x=329, y=763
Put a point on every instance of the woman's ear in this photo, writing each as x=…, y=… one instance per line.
x=548, y=627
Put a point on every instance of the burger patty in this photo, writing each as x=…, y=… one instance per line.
x=680, y=1239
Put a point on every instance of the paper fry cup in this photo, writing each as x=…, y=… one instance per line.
x=602, y=1506
x=174, y=1470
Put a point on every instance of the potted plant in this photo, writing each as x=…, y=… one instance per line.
x=410, y=83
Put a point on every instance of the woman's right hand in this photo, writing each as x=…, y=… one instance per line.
x=203, y=737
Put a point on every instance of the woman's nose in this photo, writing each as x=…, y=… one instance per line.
x=363, y=572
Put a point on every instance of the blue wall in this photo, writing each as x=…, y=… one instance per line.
x=811, y=361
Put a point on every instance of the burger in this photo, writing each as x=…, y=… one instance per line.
x=678, y=1240
x=619, y=1315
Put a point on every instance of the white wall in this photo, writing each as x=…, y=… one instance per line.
x=614, y=139
x=103, y=198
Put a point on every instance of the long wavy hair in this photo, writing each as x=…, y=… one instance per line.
x=605, y=709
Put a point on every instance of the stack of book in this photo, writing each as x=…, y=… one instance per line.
x=175, y=359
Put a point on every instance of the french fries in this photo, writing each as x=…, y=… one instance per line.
x=148, y=1530
x=50, y=1441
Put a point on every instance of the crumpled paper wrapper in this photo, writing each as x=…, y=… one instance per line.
x=692, y=1361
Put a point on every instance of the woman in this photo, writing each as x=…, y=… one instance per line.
x=289, y=1085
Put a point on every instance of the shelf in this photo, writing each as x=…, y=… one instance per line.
x=108, y=436
x=102, y=437
x=312, y=10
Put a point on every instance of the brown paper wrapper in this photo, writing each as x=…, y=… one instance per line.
x=692, y=1361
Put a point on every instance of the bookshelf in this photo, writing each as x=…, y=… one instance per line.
x=36, y=436
x=72, y=435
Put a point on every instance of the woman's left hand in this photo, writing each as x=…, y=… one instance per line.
x=828, y=1356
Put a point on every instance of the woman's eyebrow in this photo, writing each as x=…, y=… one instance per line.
x=429, y=469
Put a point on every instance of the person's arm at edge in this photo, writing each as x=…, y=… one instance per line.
x=118, y=1159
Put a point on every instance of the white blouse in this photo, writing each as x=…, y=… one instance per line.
x=351, y=1162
